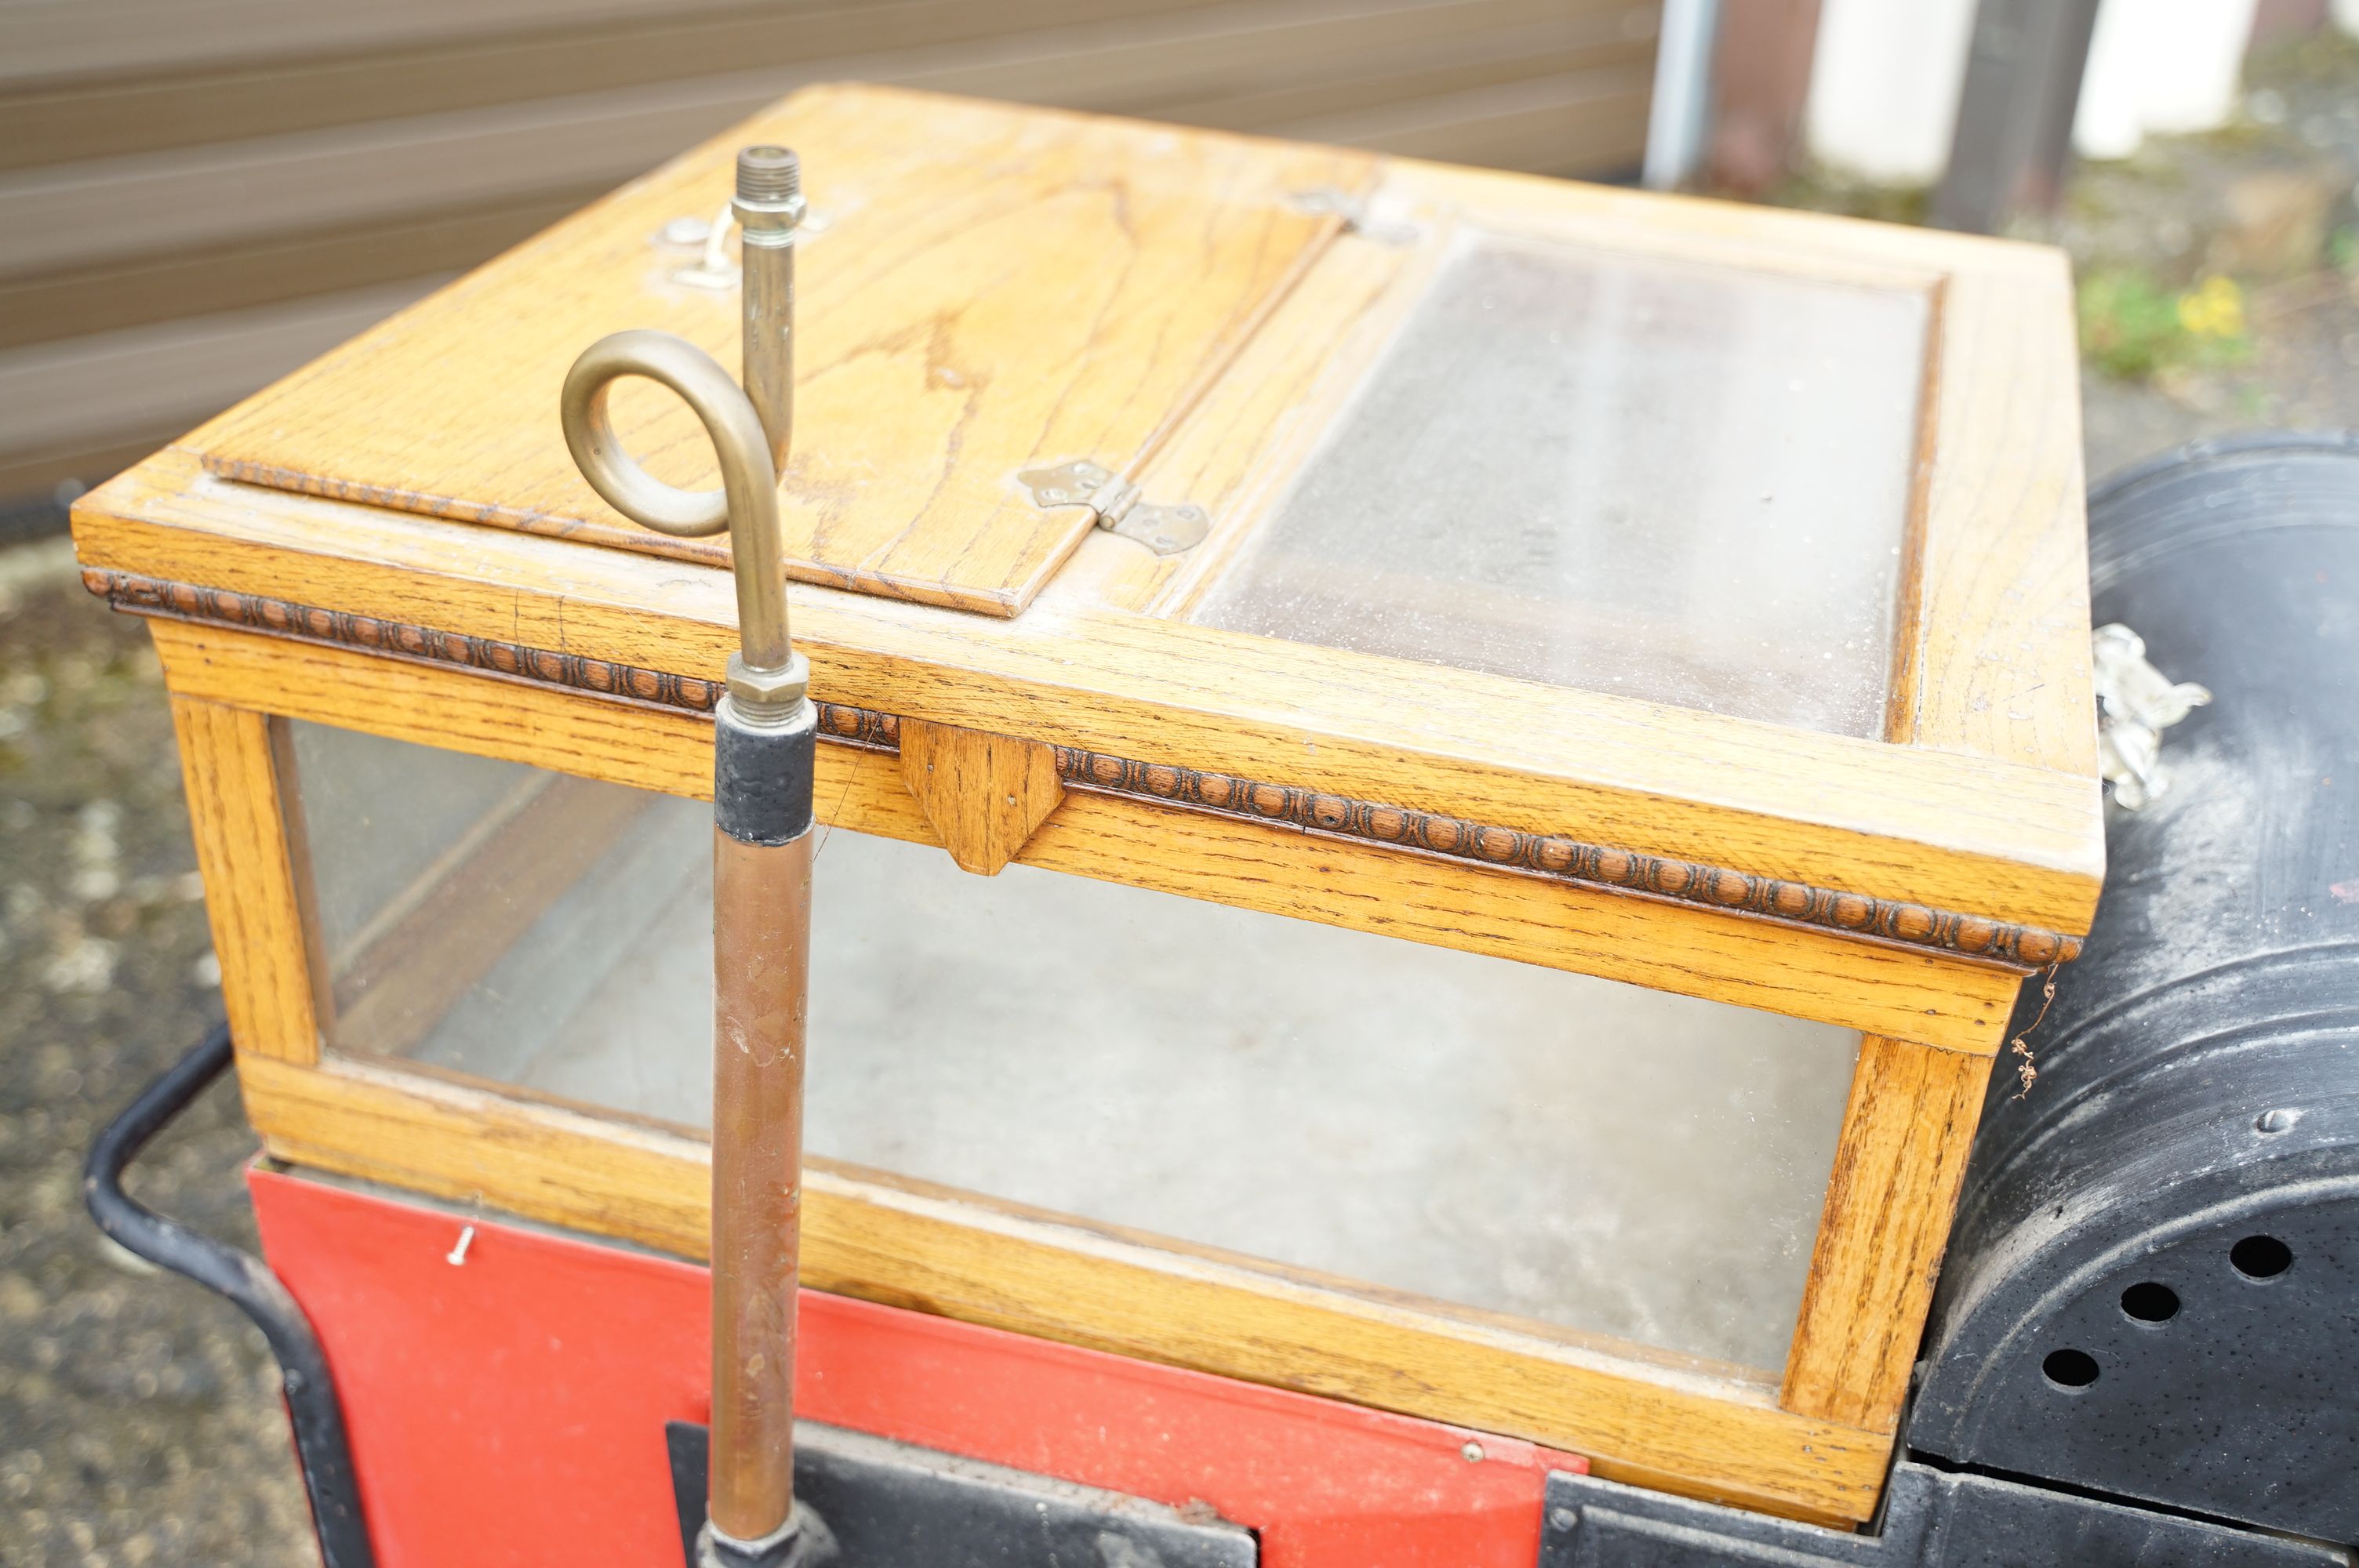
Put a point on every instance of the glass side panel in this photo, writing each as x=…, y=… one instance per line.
x=1673, y=482
x=1484, y=1132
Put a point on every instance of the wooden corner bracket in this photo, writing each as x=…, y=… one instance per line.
x=984, y=794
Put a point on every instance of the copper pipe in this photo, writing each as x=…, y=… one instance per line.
x=761, y=940
x=763, y=757
x=764, y=730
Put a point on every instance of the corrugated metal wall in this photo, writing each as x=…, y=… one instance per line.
x=195, y=197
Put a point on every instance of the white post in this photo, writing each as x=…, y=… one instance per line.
x=1885, y=84
x=2161, y=67
x=1677, y=115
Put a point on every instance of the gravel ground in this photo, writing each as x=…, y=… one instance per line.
x=139, y=1421
x=2268, y=202
x=139, y=1417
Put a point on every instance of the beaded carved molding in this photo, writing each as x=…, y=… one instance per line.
x=1311, y=811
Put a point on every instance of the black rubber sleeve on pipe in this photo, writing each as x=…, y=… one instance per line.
x=762, y=777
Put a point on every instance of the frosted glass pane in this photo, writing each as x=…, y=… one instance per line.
x=1471, y=1129
x=1678, y=482
x=386, y=833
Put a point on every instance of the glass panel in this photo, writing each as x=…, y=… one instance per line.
x=1481, y=1131
x=1673, y=482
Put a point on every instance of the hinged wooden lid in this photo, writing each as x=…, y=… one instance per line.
x=1683, y=593
x=984, y=290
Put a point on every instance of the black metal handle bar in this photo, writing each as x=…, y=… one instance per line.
x=321, y=1442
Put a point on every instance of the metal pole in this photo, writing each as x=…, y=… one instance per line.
x=769, y=207
x=761, y=929
x=2013, y=137
x=765, y=731
x=1678, y=116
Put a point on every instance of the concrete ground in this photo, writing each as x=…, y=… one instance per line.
x=138, y=1416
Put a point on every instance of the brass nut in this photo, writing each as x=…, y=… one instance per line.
x=768, y=217
x=770, y=691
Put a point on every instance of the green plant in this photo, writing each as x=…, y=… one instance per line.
x=2132, y=328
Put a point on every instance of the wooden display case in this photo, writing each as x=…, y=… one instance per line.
x=1512, y=925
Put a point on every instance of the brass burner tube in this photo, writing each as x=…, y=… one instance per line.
x=769, y=208
x=765, y=731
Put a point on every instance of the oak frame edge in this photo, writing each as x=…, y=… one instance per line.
x=905, y=1246
x=1915, y=822
x=2021, y=949
x=586, y=1150
x=1276, y=866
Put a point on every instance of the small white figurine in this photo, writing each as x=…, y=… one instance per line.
x=2136, y=703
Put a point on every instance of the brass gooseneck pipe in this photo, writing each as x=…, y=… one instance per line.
x=765, y=729
x=746, y=505
x=769, y=208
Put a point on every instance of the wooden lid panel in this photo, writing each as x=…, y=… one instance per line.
x=987, y=290
x=999, y=289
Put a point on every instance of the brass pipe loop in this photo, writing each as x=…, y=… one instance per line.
x=767, y=677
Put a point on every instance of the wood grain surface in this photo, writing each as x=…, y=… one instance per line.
x=1993, y=660
x=1436, y=805
x=1670, y=1421
x=992, y=290
x=1906, y=1133
x=1693, y=948
x=1999, y=666
x=260, y=935
x=2007, y=841
x=987, y=793
x=984, y=795
x=1246, y=438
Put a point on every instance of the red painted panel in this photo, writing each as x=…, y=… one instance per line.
x=508, y=1409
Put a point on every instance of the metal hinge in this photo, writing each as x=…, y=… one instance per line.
x=1370, y=217
x=1166, y=530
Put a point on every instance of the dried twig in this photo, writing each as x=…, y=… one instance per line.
x=2029, y=1068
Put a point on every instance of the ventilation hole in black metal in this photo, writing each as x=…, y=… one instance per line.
x=2261, y=1257
x=2149, y=1302
x=2070, y=1369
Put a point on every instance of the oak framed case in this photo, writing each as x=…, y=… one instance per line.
x=387, y=544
